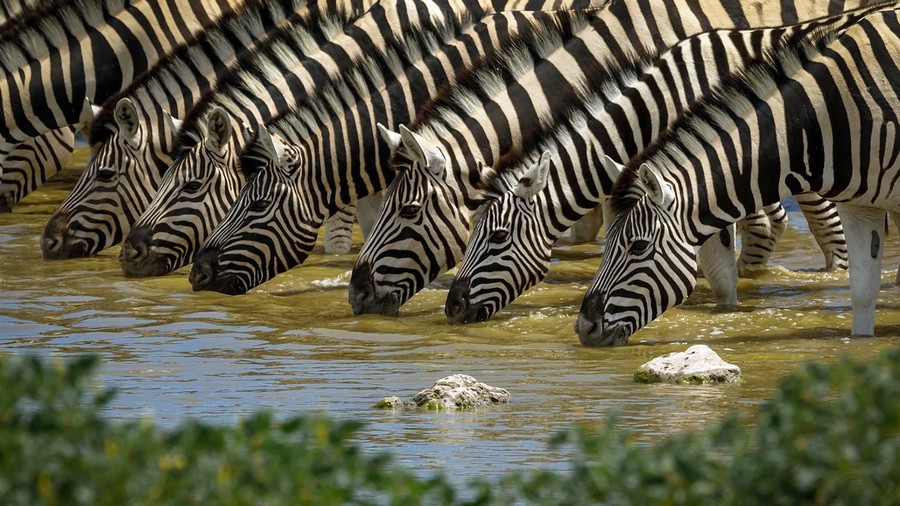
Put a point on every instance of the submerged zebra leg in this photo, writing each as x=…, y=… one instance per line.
x=716, y=258
x=32, y=163
x=587, y=227
x=760, y=232
x=339, y=231
x=825, y=226
x=864, y=230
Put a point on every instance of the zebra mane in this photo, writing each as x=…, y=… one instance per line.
x=248, y=74
x=330, y=99
x=491, y=74
x=190, y=59
x=735, y=96
x=31, y=34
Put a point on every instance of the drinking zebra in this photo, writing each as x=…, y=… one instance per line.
x=132, y=139
x=186, y=218
x=528, y=208
x=819, y=118
x=273, y=225
x=425, y=219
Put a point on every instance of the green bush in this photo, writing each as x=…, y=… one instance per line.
x=829, y=435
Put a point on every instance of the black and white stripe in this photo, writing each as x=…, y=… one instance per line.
x=426, y=215
x=537, y=194
x=821, y=119
x=132, y=139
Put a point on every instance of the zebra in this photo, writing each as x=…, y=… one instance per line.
x=132, y=138
x=51, y=79
x=424, y=221
x=528, y=210
x=176, y=222
x=819, y=118
x=303, y=178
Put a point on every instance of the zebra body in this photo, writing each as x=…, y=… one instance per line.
x=425, y=219
x=173, y=207
x=529, y=208
x=133, y=137
x=52, y=91
x=810, y=119
x=329, y=157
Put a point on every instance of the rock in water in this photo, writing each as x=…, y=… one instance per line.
x=452, y=392
x=698, y=364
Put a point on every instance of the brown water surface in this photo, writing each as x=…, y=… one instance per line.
x=293, y=345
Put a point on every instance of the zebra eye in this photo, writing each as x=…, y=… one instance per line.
x=106, y=174
x=192, y=186
x=410, y=211
x=259, y=205
x=499, y=236
x=639, y=247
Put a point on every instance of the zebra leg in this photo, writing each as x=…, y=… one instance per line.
x=896, y=218
x=32, y=163
x=716, y=259
x=825, y=226
x=367, y=211
x=760, y=232
x=339, y=231
x=864, y=230
x=587, y=228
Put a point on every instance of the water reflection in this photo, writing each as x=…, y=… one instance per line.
x=293, y=345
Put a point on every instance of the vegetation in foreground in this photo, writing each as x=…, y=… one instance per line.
x=829, y=435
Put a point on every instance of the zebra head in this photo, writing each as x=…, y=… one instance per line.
x=512, y=242
x=194, y=194
x=268, y=230
x=648, y=265
x=508, y=252
x=114, y=189
x=420, y=232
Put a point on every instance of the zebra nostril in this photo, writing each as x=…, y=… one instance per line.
x=51, y=243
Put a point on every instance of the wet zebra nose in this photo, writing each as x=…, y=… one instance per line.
x=203, y=273
x=362, y=290
x=136, y=245
x=457, y=304
x=53, y=237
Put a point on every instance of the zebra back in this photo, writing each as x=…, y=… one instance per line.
x=405, y=251
x=809, y=118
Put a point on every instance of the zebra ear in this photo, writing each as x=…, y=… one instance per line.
x=391, y=138
x=218, y=130
x=173, y=123
x=660, y=191
x=612, y=168
x=273, y=148
x=89, y=112
x=535, y=180
x=422, y=151
x=127, y=118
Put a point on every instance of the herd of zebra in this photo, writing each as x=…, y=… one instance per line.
x=225, y=133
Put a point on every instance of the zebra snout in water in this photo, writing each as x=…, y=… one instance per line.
x=55, y=244
x=457, y=304
x=203, y=273
x=590, y=324
x=136, y=258
x=363, y=297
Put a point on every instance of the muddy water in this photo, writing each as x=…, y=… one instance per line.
x=293, y=345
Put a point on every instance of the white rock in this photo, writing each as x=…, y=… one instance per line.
x=698, y=364
x=460, y=391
